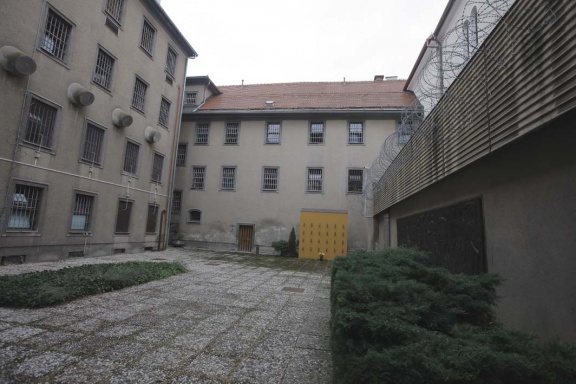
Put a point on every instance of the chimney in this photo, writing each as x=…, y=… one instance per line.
x=379, y=78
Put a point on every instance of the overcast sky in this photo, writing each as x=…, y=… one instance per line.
x=272, y=41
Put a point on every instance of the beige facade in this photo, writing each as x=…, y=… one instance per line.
x=88, y=137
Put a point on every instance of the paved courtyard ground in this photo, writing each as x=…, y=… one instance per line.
x=230, y=319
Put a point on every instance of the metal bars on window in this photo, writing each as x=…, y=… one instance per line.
x=41, y=122
x=228, y=178
x=92, y=151
x=316, y=133
x=355, y=133
x=202, y=131
x=82, y=213
x=25, y=207
x=139, y=95
x=123, y=216
x=314, y=180
x=191, y=98
x=181, y=155
x=270, y=182
x=164, y=112
x=171, y=57
x=194, y=216
x=147, y=40
x=198, y=175
x=131, y=158
x=56, y=35
x=231, y=136
x=157, y=168
x=103, y=71
x=273, y=133
x=176, y=202
x=152, y=218
x=355, y=180
x=114, y=9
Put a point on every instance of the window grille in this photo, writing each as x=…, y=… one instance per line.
x=181, y=155
x=82, y=213
x=198, y=174
x=273, y=133
x=202, y=132
x=231, y=133
x=103, y=71
x=176, y=202
x=164, y=112
x=123, y=216
x=25, y=207
x=139, y=95
x=191, y=98
x=355, y=180
x=147, y=41
x=56, y=35
x=93, y=141
x=228, y=177
x=171, y=57
x=41, y=122
x=157, y=168
x=355, y=133
x=314, y=180
x=270, y=182
x=114, y=9
x=131, y=158
x=152, y=218
x=316, y=133
x=194, y=216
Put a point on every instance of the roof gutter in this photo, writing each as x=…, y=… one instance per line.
x=258, y=113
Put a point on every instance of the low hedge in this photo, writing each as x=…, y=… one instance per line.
x=397, y=320
x=46, y=288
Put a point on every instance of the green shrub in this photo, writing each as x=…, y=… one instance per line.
x=42, y=289
x=397, y=320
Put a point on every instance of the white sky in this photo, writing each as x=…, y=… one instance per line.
x=272, y=41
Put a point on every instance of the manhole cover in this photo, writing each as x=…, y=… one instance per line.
x=292, y=289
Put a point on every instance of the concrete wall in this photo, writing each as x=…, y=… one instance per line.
x=527, y=190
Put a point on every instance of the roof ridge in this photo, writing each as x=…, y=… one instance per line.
x=312, y=82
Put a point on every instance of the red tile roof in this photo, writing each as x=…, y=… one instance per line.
x=387, y=94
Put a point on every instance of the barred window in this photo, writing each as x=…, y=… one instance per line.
x=157, y=165
x=139, y=95
x=25, y=207
x=270, y=182
x=355, y=180
x=103, y=71
x=316, y=133
x=314, y=180
x=114, y=9
x=191, y=98
x=171, y=58
x=82, y=213
x=355, y=133
x=202, y=132
x=198, y=175
x=181, y=154
x=176, y=202
x=123, y=217
x=56, y=37
x=41, y=123
x=273, y=133
x=131, y=157
x=93, y=144
x=231, y=136
x=164, y=112
x=194, y=216
x=152, y=218
x=147, y=40
x=228, y=178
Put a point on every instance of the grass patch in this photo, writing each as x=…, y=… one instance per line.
x=397, y=320
x=46, y=288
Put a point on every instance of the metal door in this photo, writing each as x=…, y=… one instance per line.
x=245, y=238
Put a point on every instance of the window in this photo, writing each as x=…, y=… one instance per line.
x=198, y=175
x=82, y=213
x=103, y=71
x=181, y=155
x=131, y=158
x=316, y=133
x=273, y=133
x=123, y=216
x=139, y=95
x=228, y=178
x=314, y=180
x=25, y=207
x=171, y=58
x=114, y=9
x=164, y=112
x=355, y=133
x=93, y=144
x=231, y=136
x=270, y=179
x=176, y=202
x=56, y=39
x=41, y=123
x=355, y=180
x=157, y=168
x=147, y=40
x=152, y=218
x=194, y=216
x=191, y=98
x=202, y=132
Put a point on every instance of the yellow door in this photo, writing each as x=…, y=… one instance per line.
x=323, y=233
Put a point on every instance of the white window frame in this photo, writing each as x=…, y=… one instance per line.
x=117, y=18
x=148, y=37
x=313, y=138
x=103, y=76
x=349, y=180
x=193, y=98
x=22, y=210
x=200, y=126
x=137, y=98
x=83, y=215
x=314, y=171
x=233, y=178
x=198, y=177
x=46, y=43
x=31, y=127
x=352, y=136
x=271, y=178
x=231, y=137
x=268, y=133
